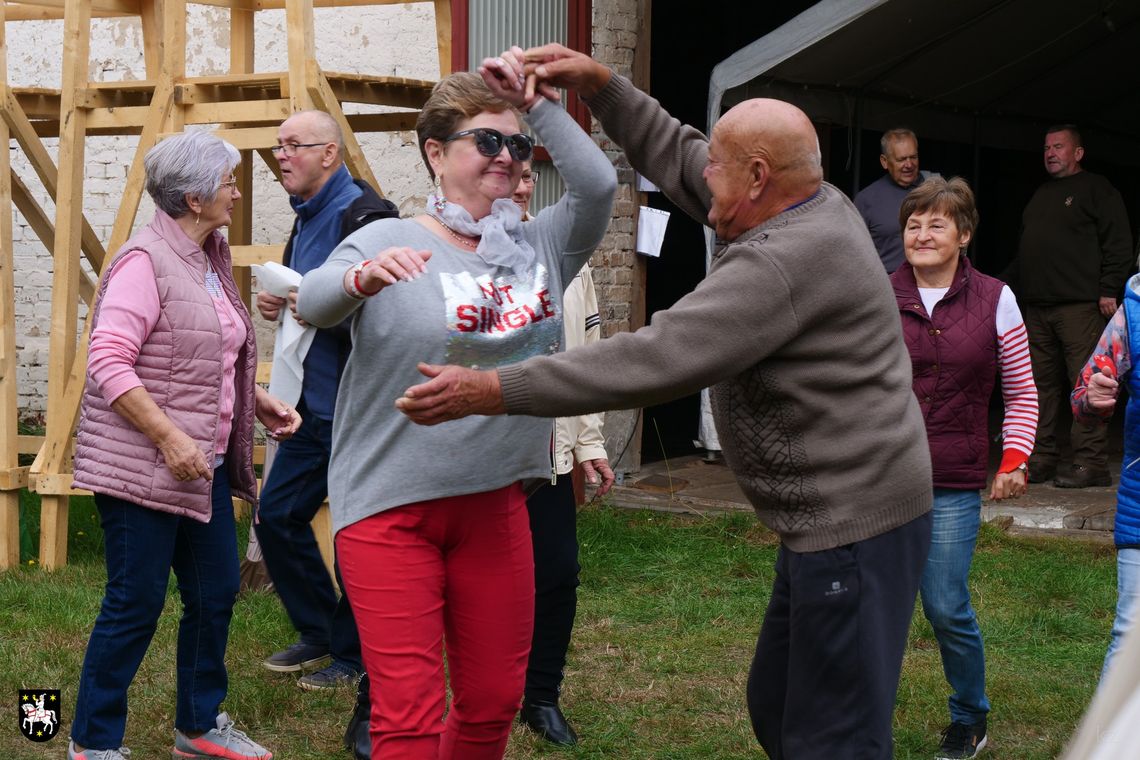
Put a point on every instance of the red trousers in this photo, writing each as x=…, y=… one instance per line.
x=454, y=573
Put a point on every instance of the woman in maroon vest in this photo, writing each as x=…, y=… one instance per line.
x=962, y=329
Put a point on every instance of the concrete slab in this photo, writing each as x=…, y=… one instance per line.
x=696, y=485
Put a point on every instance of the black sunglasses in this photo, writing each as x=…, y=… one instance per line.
x=489, y=142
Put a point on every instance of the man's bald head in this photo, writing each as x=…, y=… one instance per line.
x=763, y=157
x=317, y=152
x=779, y=133
x=320, y=125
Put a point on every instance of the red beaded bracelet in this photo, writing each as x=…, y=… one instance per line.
x=356, y=280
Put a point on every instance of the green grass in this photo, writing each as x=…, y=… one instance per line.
x=668, y=614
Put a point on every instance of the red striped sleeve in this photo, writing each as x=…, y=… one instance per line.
x=1019, y=395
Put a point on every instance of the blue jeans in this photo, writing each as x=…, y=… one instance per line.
x=294, y=491
x=946, y=601
x=141, y=546
x=1127, y=595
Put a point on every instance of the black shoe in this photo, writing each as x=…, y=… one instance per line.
x=336, y=675
x=1083, y=477
x=1041, y=473
x=299, y=656
x=962, y=740
x=546, y=720
x=356, y=736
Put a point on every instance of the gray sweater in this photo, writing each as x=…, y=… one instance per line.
x=797, y=329
x=463, y=311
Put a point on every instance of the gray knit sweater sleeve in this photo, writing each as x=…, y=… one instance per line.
x=673, y=156
x=795, y=327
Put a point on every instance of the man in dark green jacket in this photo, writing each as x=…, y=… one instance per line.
x=1074, y=256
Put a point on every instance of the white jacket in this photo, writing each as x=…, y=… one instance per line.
x=579, y=438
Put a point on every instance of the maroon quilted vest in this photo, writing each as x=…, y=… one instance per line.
x=953, y=354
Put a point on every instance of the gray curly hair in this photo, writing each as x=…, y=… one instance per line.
x=191, y=163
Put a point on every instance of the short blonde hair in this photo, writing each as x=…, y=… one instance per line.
x=454, y=98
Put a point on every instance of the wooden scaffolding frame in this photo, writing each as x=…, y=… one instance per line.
x=247, y=106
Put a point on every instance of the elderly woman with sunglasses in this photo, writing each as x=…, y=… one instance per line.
x=432, y=528
x=165, y=440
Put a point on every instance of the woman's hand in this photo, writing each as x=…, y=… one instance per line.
x=183, y=457
x=506, y=78
x=388, y=267
x=1102, y=391
x=1009, y=485
x=280, y=420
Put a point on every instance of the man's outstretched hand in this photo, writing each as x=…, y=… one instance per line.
x=451, y=393
x=557, y=66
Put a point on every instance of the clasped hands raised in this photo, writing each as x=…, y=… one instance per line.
x=521, y=77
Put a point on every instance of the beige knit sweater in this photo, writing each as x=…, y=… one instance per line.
x=797, y=330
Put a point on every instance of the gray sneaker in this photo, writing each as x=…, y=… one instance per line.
x=224, y=741
x=335, y=676
x=122, y=753
x=299, y=656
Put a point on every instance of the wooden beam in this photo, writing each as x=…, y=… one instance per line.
x=38, y=220
x=136, y=176
x=29, y=444
x=46, y=10
x=443, y=35
x=302, y=50
x=265, y=5
x=9, y=409
x=96, y=7
x=150, y=14
x=13, y=479
x=65, y=282
x=383, y=122
x=56, y=486
x=248, y=255
x=242, y=56
x=322, y=96
x=46, y=170
x=216, y=113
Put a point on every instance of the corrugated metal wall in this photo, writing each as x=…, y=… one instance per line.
x=495, y=25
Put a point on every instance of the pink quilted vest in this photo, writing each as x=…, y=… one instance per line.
x=180, y=366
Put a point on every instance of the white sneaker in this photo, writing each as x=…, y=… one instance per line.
x=224, y=741
x=122, y=753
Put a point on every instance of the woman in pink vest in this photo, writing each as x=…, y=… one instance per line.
x=962, y=329
x=165, y=441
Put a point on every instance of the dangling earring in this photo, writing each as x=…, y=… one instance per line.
x=198, y=220
x=440, y=201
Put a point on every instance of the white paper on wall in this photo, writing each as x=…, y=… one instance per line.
x=651, y=224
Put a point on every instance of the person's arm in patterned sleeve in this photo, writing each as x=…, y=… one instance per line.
x=1094, y=397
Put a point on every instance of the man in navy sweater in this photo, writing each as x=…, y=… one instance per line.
x=309, y=152
x=879, y=202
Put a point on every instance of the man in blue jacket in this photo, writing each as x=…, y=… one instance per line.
x=329, y=204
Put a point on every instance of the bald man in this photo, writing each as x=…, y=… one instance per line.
x=798, y=330
x=329, y=205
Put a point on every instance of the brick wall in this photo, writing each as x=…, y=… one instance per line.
x=615, y=38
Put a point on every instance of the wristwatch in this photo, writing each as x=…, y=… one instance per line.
x=1023, y=467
